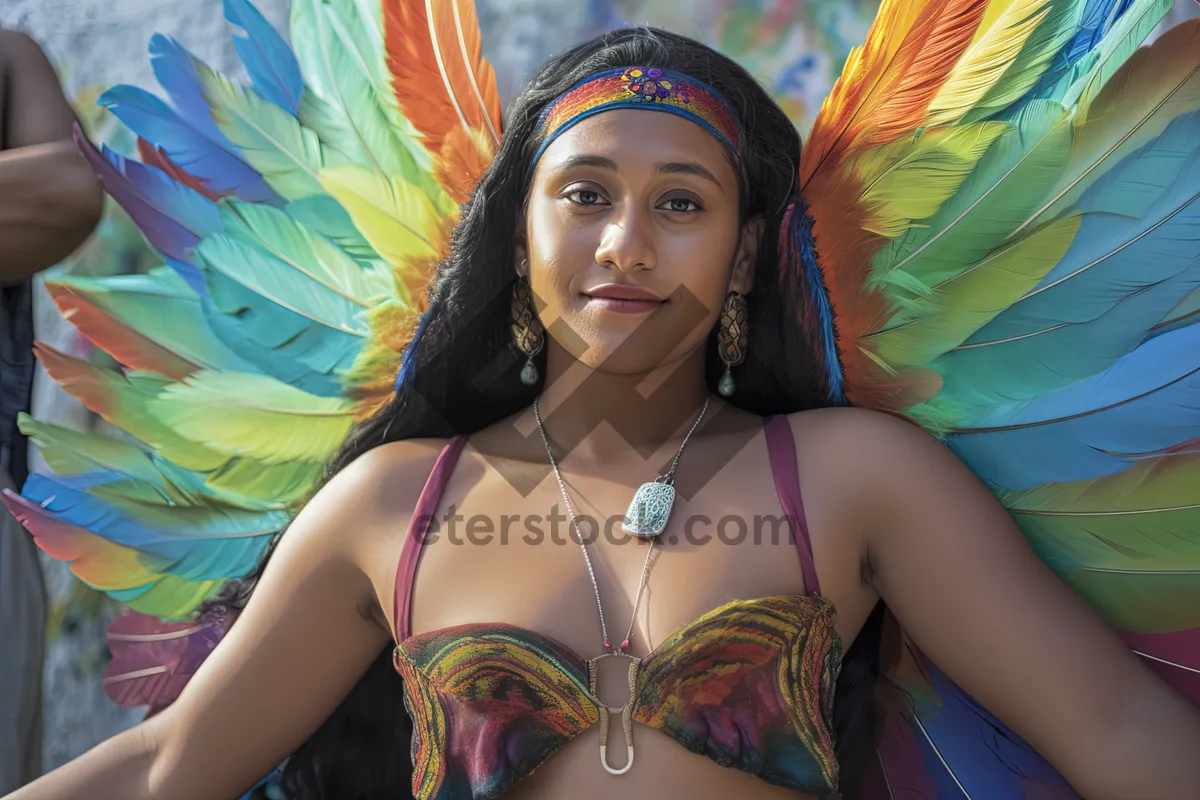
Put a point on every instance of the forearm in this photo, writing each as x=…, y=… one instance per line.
x=50, y=201
x=1151, y=749
x=121, y=767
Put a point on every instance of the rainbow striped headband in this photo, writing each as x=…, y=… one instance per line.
x=643, y=88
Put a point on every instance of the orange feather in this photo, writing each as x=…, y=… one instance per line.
x=463, y=158
x=439, y=74
x=112, y=336
x=887, y=85
x=844, y=250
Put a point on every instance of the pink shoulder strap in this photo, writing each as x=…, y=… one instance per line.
x=418, y=527
x=782, y=449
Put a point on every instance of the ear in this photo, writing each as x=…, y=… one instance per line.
x=746, y=259
x=521, y=259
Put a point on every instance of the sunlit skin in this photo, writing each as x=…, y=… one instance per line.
x=648, y=199
x=892, y=515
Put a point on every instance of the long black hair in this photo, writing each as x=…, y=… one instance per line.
x=460, y=375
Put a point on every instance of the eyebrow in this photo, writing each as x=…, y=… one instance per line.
x=669, y=168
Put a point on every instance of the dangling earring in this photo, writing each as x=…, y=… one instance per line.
x=527, y=329
x=732, y=334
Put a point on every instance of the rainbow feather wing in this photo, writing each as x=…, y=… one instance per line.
x=1006, y=211
x=298, y=220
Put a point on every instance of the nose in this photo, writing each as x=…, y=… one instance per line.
x=627, y=241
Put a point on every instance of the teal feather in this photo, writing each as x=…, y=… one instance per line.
x=348, y=101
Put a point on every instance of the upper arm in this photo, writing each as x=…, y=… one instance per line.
x=304, y=639
x=35, y=109
x=959, y=575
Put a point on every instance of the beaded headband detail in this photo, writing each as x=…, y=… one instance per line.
x=643, y=88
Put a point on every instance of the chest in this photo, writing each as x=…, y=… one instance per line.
x=503, y=547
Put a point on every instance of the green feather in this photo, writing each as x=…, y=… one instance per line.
x=271, y=140
x=270, y=276
x=309, y=254
x=170, y=597
x=910, y=179
x=1157, y=597
x=1011, y=179
x=1149, y=510
x=348, y=99
x=326, y=216
x=254, y=416
x=70, y=452
x=1128, y=542
x=162, y=307
x=966, y=302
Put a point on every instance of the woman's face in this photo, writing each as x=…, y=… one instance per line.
x=635, y=200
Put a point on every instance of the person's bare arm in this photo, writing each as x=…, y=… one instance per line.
x=50, y=200
x=304, y=639
x=964, y=582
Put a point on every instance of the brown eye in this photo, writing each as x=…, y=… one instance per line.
x=681, y=205
x=585, y=197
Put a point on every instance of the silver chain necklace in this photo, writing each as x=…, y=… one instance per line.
x=660, y=493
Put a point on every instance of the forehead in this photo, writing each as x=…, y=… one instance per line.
x=630, y=135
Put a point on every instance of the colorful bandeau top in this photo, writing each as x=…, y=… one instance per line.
x=749, y=684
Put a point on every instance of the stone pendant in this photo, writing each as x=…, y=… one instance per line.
x=650, y=509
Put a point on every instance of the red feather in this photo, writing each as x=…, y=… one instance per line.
x=1174, y=656
x=153, y=660
x=157, y=157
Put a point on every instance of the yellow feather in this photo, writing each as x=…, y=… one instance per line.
x=396, y=218
x=242, y=414
x=986, y=61
x=907, y=181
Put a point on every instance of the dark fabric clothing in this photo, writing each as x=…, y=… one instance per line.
x=16, y=375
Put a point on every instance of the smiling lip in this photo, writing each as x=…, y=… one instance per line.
x=623, y=298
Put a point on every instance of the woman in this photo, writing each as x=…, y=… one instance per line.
x=750, y=643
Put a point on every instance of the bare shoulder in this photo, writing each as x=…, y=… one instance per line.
x=862, y=441
x=367, y=507
x=382, y=485
x=878, y=468
x=860, y=466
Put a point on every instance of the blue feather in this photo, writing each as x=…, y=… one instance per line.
x=409, y=359
x=279, y=342
x=1148, y=400
x=172, y=217
x=1133, y=260
x=971, y=754
x=191, y=274
x=150, y=118
x=272, y=66
x=174, y=68
x=800, y=248
x=190, y=550
x=1095, y=22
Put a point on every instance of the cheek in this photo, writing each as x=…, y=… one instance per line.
x=559, y=249
x=701, y=259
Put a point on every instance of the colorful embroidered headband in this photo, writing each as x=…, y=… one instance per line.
x=644, y=88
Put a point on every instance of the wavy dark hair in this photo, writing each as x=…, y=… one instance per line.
x=460, y=375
